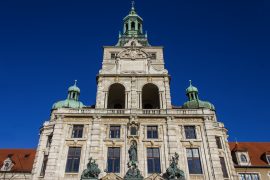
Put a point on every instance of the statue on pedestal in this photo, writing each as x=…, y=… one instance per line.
x=91, y=172
x=133, y=152
x=173, y=172
x=133, y=172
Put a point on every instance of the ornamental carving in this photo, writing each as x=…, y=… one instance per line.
x=133, y=53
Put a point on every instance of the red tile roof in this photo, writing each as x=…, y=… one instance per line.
x=256, y=151
x=23, y=159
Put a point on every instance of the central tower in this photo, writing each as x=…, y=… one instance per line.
x=133, y=75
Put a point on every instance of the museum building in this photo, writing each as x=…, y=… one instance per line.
x=133, y=131
x=133, y=127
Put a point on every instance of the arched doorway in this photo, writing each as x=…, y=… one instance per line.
x=150, y=97
x=116, y=97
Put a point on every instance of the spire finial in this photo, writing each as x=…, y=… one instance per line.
x=75, y=82
x=132, y=5
x=190, y=82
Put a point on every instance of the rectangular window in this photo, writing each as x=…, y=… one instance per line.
x=49, y=141
x=113, y=55
x=113, y=163
x=114, y=131
x=218, y=141
x=190, y=132
x=77, y=131
x=133, y=131
x=73, y=159
x=153, y=160
x=44, y=165
x=152, y=132
x=223, y=167
x=194, y=162
x=249, y=176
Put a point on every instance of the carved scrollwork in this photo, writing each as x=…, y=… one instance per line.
x=133, y=53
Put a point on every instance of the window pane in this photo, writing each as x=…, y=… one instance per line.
x=190, y=132
x=218, y=141
x=152, y=132
x=73, y=159
x=133, y=131
x=194, y=162
x=113, y=161
x=157, y=165
x=44, y=165
x=77, y=131
x=153, y=160
x=223, y=167
x=115, y=132
x=150, y=165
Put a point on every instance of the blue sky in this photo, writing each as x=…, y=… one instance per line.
x=223, y=46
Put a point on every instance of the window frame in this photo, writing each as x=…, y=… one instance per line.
x=73, y=158
x=115, y=134
x=187, y=133
x=77, y=131
x=114, y=159
x=151, y=133
x=44, y=165
x=195, y=161
x=153, y=159
x=224, y=167
x=218, y=142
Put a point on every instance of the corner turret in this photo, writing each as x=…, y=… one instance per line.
x=193, y=99
x=72, y=100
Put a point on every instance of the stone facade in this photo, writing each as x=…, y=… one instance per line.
x=127, y=97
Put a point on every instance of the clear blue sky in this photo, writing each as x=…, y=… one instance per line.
x=223, y=46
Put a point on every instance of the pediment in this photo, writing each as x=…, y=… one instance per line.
x=111, y=176
x=154, y=177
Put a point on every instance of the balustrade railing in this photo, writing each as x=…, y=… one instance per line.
x=137, y=111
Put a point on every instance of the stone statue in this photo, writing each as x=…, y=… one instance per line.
x=173, y=172
x=92, y=170
x=133, y=152
x=133, y=172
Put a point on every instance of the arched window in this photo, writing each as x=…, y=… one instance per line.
x=150, y=97
x=116, y=97
x=243, y=158
x=132, y=25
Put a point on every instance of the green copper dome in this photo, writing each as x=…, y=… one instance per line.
x=193, y=99
x=198, y=104
x=74, y=88
x=72, y=100
x=191, y=88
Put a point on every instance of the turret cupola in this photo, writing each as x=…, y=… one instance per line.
x=132, y=28
x=193, y=99
x=192, y=92
x=72, y=100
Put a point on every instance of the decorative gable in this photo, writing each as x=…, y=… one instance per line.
x=111, y=176
x=154, y=177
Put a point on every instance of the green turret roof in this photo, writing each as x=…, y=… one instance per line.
x=132, y=29
x=191, y=88
x=72, y=100
x=74, y=87
x=193, y=99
